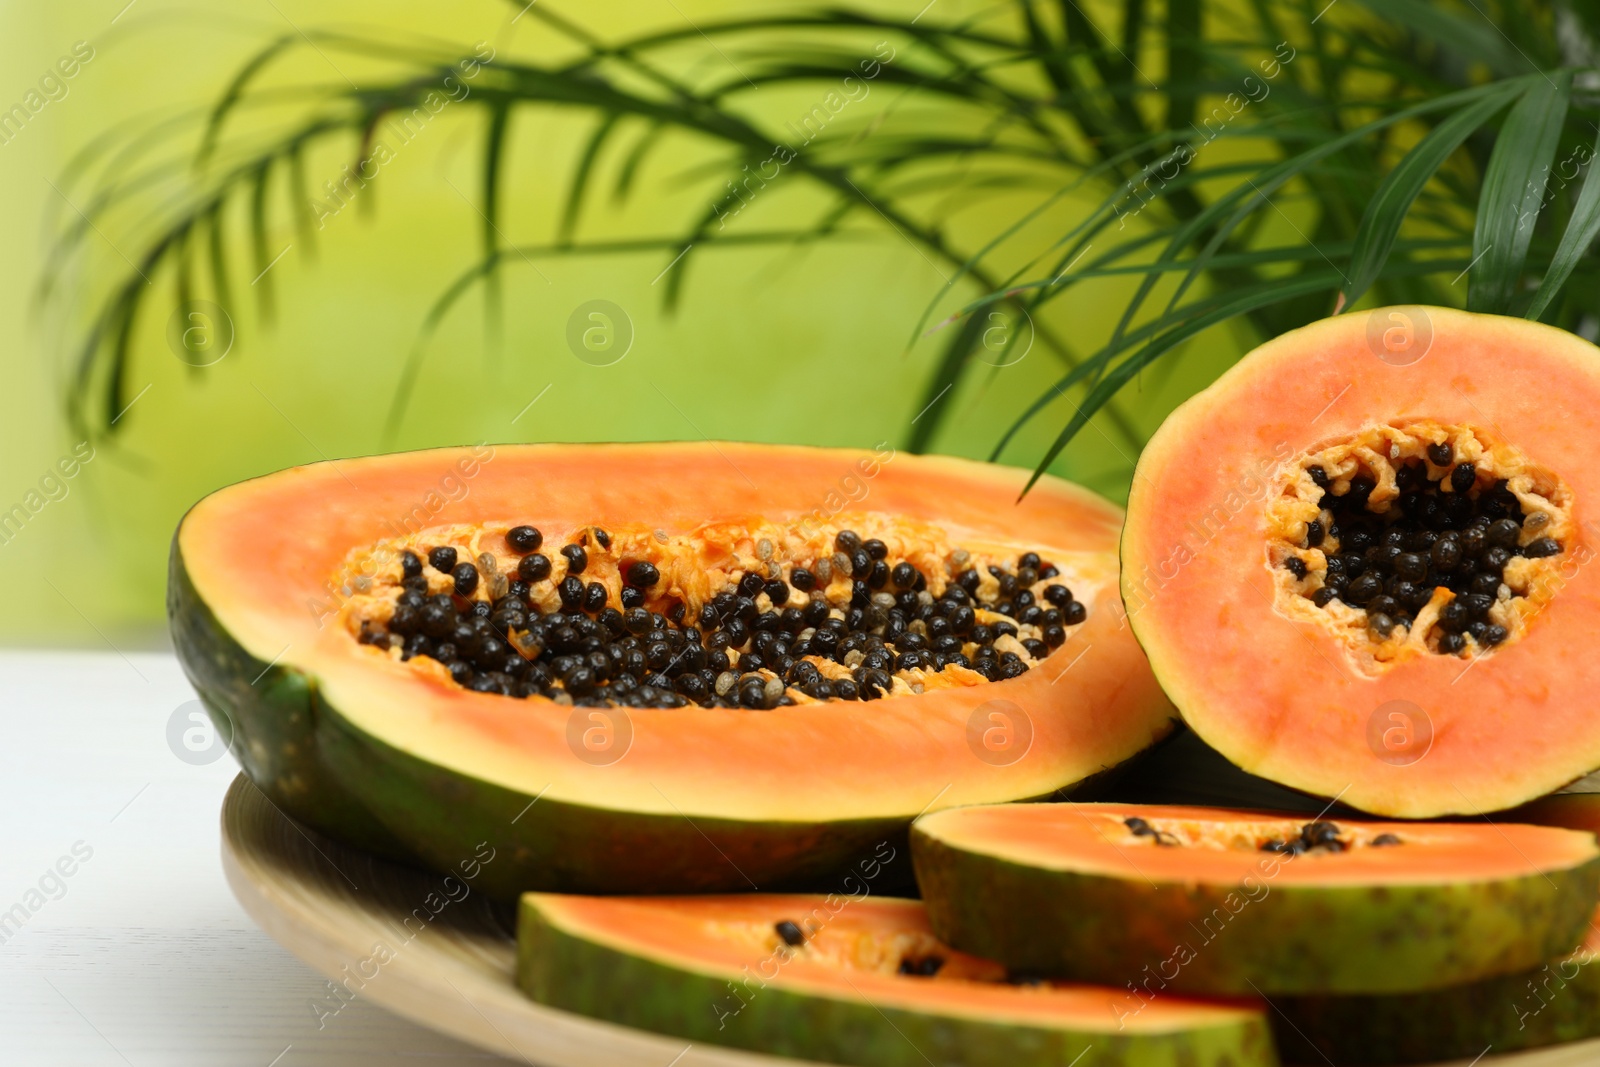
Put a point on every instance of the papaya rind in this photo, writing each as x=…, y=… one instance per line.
x=1554, y=1003
x=556, y=845
x=565, y=970
x=1267, y=940
x=268, y=712
x=1551, y=1004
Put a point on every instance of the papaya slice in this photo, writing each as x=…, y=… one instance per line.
x=845, y=978
x=1555, y=1002
x=1357, y=561
x=648, y=667
x=1150, y=898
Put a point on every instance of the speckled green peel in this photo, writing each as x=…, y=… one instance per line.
x=548, y=844
x=1551, y=1004
x=270, y=712
x=565, y=969
x=1556, y=1002
x=1266, y=938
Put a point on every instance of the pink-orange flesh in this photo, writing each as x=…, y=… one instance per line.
x=1276, y=693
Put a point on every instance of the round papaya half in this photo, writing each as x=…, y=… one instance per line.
x=1555, y=1002
x=1358, y=561
x=846, y=978
x=656, y=668
x=1150, y=898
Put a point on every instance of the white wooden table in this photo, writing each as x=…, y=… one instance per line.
x=141, y=956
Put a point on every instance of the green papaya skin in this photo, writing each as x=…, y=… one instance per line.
x=1549, y=1005
x=270, y=713
x=556, y=845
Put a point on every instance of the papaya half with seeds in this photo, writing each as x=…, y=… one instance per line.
x=1154, y=899
x=1555, y=1002
x=656, y=668
x=846, y=979
x=1358, y=561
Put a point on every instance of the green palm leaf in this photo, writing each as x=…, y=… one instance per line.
x=1380, y=226
x=1576, y=239
x=1513, y=192
x=1344, y=150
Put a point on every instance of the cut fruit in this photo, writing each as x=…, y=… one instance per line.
x=1215, y=901
x=1358, y=567
x=312, y=608
x=846, y=979
x=1555, y=1002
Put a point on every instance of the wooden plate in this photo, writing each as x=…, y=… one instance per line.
x=372, y=925
x=357, y=919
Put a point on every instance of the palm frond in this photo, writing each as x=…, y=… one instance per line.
x=1513, y=192
x=1185, y=164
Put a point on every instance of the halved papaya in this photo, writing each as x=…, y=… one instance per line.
x=1206, y=900
x=1557, y=1001
x=1357, y=560
x=656, y=667
x=846, y=978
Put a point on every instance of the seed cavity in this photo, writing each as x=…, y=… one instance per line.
x=1140, y=828
x=632, y=621
x=1314, y=836
x=1419, y=539
x=1324, y=837
x=1319, y=836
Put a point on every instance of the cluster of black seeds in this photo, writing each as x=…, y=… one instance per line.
x=1141, y=828
x=1324, y=836
x=732, y=654
x=1390, y=563
x=790, y=933
x=1313, y=836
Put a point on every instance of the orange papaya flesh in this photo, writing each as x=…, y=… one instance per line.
x=1555, y=1002
x=1363, y=576
x=845, y=978
x=1202, y=900
x=280, y=587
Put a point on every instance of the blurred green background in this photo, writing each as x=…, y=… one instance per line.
x=770, y=344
